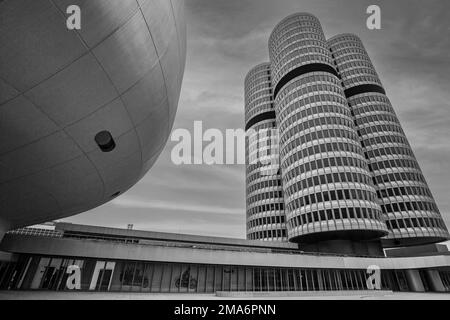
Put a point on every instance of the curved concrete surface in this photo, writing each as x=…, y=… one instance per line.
x=121, y=73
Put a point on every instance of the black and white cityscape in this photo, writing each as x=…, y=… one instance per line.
x=170, y=149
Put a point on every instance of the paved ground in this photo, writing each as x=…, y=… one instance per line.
x=34, y=295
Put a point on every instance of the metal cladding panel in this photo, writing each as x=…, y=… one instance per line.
x=112, y=117
x=59, y=88
x=153, y=130
x=101, y=17
x=136, y=54
x=21, y=113
x=7, y=92
x=73, y=93
x=146, y=95
x=35, y=42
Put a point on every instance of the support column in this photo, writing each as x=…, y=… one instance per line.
x=435, y=281
x=414, y=281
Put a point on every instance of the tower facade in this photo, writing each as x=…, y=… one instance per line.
x=410, y=211
x=265, y=204
x=327, y=184
x=349, y=178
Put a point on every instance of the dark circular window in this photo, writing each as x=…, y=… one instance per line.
x=105, y=141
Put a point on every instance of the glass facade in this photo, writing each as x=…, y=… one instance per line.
x=50, y=273
x=326, y=179
x=410, y=212
x=264, y=193
x=347, y=168
x=445, y=277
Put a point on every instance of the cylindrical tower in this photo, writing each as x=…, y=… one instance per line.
x=265, y=204
x=328, y=189
x=410, y=211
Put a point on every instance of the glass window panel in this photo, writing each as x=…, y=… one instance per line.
x=116, y=281
x=210, y=279
x=148, y=273
x=362, y=280
x=291, y=280
x=39, y=273
x=265, y=279
x=303, y=278
x=234, y=278
x=327, y=282
x=24, y=272
x=11, y=275
x=87, y=272
x=278, y=281
x=356, y=282
x=156, y=279
x=138, y=277
x=51, y=274
x=241, y=278
x=284, y=280
x=309, y=279
x=334, y=284
x=347, y=280
x=257, y=279
x=227, y=270
x=167, y=274
x=5, y=274
x=218, y=278
x=249, y=279
x=340, y=281
x=62, y=275
x=188, y=281
x=193, y=278
x=127, y=276
x=401, y=279
x=174, y=282
x=271, y=280
x=30, y=273
x=354, y=279
x=97, y=275
x=105, y=276
x=201, y=279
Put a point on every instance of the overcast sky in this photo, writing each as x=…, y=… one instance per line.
x=225, y=39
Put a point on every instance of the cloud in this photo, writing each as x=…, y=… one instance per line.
x=128, y=202
x=225, y=40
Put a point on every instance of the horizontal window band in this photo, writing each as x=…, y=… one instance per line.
x=269, y=115
x=364, y=88
x=297, y=72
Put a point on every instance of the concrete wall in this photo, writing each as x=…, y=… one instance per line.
x=170, y=237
